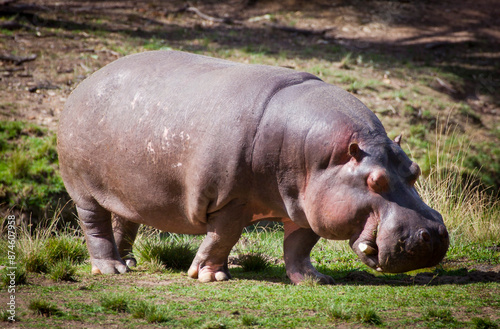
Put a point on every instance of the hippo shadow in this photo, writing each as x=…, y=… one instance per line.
x=460, y=276
x=437, y=277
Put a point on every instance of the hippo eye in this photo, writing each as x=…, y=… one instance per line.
x=378, y=181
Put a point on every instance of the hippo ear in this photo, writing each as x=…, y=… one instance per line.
x=354, y=151
x=397, y=140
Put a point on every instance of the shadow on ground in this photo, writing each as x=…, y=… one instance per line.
x=359, y=277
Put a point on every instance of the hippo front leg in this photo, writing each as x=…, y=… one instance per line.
x=224, y=228
x=297, y=248
x=124, y=232
x=97, y=227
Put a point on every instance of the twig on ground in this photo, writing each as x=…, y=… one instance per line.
x=13, y=25
x=225, y=20
x=18, y=60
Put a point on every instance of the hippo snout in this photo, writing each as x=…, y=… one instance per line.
x=421, y=248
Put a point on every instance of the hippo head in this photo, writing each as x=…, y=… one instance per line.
x=370, y=199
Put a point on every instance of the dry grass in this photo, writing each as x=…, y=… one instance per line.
x=471, y=213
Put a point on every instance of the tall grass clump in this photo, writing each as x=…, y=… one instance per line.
x=339, y=312
x=260, y=240
x=171, y=250
x=18, y=278
x=470, y=213
x=258, y=246
x=150, y=312
x=253, y=262
x=115, y=302
x=49, y=250
x=44, y=308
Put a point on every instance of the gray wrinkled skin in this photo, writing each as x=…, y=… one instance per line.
x=197, y=145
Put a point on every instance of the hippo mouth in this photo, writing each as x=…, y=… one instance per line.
x=425, y=248
x=368, y=252
x=365, y=246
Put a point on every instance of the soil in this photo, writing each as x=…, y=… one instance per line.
x=54, y=50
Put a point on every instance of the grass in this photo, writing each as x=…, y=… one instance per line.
x=339, y=312
x=183, y=303
x=487, y=323
x=63, y=270
x=253, y=262
x=29, y=180
x=44, y=308
x=440, y=318
x=369, y=316
x=169, y=251
x=453, y=190
x=19, y=277
x=150, y=312
x=116, y=303
x=264, y=298
x=249, y=320
x=50, y=250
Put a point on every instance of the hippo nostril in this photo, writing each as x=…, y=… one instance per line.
x=424, y=235
x=443, y=233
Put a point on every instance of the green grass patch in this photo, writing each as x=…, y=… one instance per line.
x=249, y=320
x=339, y=312
x=168, y=251
x=149, y=312
x=440, y=318
x=253, y=262
x=484, y=323
x=29, y=179
x=116, y=302
x=44, y=308
x=63, y=270
x=369, y=316
x=50, y=250
x=13, y=278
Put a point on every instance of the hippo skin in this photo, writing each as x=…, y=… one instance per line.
x=196, y=145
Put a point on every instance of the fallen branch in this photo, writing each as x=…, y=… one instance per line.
x=225, y=20
x=445, y=85
x=18, y=60
x=13, y=25
x=40, y=86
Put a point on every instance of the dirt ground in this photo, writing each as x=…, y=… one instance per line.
x=47, y=47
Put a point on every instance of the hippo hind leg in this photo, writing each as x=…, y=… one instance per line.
x=223, y=231
x=124, y=232
x=98, y=230
x=297, y=247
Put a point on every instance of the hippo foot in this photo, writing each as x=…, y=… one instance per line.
x=108, y=266
x=131, y=262
x=209, y=273
x=298, y=277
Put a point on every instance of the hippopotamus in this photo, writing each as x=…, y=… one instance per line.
x=191, y=144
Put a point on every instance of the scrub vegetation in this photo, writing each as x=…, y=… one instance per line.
x=442, y=95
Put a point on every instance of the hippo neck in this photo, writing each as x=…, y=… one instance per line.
x=303, y=126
